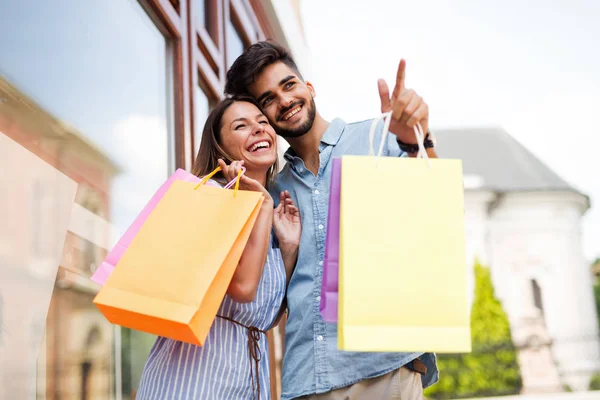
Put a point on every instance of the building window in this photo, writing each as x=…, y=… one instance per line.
x=536, y=290
x=200, y=12
x=235, y=43
x=207, y=16
x=89, y=93
x=203, y=104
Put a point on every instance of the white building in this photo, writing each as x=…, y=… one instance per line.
x=524, y=222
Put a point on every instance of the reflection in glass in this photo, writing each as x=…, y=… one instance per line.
x=39, y=199
x=84, y=92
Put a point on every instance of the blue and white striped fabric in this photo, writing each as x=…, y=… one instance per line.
x=221, y=369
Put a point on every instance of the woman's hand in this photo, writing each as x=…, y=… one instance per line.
x=286, y=221
x=231, y=172
x=288, y=229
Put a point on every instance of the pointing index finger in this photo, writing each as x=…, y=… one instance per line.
x=400, y=78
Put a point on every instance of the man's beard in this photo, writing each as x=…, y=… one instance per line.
x=302, y=129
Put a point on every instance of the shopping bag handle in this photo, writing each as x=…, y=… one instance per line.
x=235, y=181
x=387, y=118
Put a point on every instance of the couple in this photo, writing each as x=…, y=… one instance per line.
x=268, y=96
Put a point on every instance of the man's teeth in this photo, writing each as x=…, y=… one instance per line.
x=292, y=113
x=259, y=145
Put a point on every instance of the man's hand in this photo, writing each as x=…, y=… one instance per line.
x=406, y=105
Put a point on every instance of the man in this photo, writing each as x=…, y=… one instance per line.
x=313, y=367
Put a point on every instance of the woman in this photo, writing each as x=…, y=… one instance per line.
x=234, y=362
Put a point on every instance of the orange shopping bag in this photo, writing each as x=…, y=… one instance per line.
x=171, y=280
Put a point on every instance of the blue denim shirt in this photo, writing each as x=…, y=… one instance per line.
x=312, y=363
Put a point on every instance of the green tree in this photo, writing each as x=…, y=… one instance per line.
x=597, y=296
x=491, y=368
x=595, y=382
x=597, y=289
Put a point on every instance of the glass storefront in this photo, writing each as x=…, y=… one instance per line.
x=84, y=87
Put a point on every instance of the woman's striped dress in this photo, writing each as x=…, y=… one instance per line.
x=222, y=368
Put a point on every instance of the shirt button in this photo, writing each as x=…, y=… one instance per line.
x=317, y=191
x=319, y=338
x=318, y=298
x=321, y=263
x=321, y=226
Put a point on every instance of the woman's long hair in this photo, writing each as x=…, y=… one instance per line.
x=210, y=145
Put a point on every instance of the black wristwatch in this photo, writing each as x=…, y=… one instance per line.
x=428, y=143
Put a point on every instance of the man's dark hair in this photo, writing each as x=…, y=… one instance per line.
x=252, y=62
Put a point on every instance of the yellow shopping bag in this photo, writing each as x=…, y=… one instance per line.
x=173, y=276
x=403, y=273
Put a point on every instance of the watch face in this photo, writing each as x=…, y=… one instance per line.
x=429, y=141
x=432, y=138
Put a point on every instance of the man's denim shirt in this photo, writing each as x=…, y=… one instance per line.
x=312, y=363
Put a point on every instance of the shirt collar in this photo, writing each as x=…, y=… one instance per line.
x=334, y=132
x=331, y=137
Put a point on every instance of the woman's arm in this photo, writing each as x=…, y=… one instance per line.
x=245, y=280
x=288, y=229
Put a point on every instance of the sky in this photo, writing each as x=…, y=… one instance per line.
x=528, y=67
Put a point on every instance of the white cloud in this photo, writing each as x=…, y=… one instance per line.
x=141, y=148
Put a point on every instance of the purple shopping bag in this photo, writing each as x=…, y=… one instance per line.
x=329, y=285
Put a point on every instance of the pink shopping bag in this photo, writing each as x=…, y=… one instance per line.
x=108, y=265
x=329, y=285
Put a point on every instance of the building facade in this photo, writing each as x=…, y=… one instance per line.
x=524, y=222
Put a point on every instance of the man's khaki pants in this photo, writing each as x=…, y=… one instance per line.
x=401, y=384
